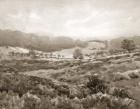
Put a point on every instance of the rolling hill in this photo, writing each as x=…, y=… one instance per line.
x=33, y=41
x=116, y=43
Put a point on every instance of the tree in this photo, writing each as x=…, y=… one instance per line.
x=77, y=54
x=128, y=45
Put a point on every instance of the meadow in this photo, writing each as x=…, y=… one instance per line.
x=103, y=83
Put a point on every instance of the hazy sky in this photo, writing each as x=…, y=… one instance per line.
x=77, y=18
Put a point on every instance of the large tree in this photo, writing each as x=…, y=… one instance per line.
x=77, y=54
x=128, y=45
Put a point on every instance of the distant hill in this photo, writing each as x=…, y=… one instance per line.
x=33, y=41
x=116, y=43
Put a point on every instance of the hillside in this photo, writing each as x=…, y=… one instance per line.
x=116, y=43
x=33, y=41
x=109, y=82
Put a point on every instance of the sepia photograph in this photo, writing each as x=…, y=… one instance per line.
x=69, y=54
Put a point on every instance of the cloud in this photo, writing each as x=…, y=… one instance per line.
x=81, y=18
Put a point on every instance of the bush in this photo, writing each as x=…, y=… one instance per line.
x=63, y=90
x=30, y=103
x=121, y=92
x=97, y=85
x=46, y=103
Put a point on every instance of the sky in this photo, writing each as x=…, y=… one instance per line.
x=96, y=19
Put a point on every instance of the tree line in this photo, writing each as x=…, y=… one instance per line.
x=33, y=41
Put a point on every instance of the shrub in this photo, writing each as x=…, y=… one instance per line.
x=96, y=85
x=46, y=103
x=121, y=92
x=63, y=90
x=133, y=75
x=63, y=103
x=30, y=103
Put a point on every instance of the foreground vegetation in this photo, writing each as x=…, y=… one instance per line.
x=104, y=83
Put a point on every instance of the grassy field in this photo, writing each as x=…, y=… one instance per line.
x=105, y=83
